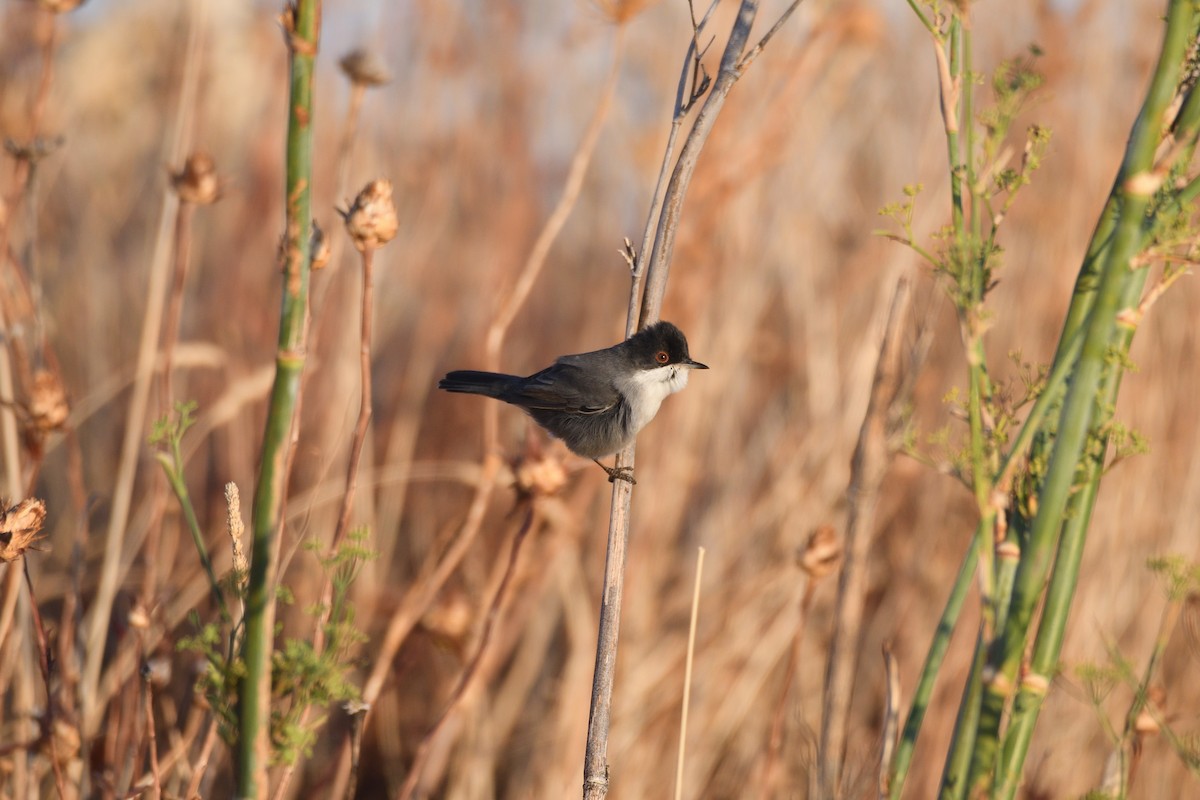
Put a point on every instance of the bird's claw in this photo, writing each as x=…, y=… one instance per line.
x=618, y=473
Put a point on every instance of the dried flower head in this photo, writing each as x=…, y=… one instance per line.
x=371, y=220
x=197, y=182
x=540, y=474
x=822, y=553
x=48, y=408
x=450, y=618
x=139, y=617
x=364, y=68
x=20, y=527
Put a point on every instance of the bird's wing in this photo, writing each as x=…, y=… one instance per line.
x=567, y=388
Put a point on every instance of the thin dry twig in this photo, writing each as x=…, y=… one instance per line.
x=872, y=455
x=687, y=675
x=595, y=772
x=152, y=738
x=891, y=719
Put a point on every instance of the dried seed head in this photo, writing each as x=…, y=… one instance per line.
x=364, y=68
x=139, y=617
x=371, y=220
x=540, y=474
x=822, y=553
x=197, y=182
x=48, y=408
x=20, y=527
x=451, y=618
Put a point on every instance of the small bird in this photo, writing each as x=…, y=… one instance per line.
x=595, y=402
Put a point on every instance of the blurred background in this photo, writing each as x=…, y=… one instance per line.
x=778, y=279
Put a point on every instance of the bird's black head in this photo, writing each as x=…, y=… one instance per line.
x=661, y=345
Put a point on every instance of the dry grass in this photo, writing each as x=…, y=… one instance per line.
x=777, y=280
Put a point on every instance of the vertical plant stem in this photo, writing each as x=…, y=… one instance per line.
x=364, y=408
x=1135, y=187
x=302, y=25
x=687, y=676
x=933, y=664
x=595, y=768
x=733, y=65
x=51, y=708
x=868, y=466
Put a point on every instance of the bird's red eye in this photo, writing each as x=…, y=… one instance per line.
x=662, y=357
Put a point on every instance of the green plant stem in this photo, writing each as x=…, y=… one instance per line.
x=966, y=727
x=1079, y=409
x=933, y=664
x=172, y=469
x=1064, y=578
x=301, y=29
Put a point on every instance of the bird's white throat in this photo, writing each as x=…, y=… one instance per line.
x=646, y=389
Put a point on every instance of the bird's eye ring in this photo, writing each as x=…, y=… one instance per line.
x=662, y=357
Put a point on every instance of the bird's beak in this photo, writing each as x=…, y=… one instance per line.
x=687, y=362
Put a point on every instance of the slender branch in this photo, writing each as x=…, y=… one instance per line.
x=595, y=771
x=687, y=676
x=871, y=457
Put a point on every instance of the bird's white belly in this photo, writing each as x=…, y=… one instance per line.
x=646, y=390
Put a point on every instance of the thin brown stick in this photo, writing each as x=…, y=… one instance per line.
x=595, y=771
x=891, y=719
x=202, y=759
x=471, y=670
x=152, y=738
x=687, y=675
x=364, y=418
x=48, y=726
x=182, y=248
x=872, y=455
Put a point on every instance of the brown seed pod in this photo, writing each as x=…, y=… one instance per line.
x=21, y=527
x=371, y=220
x=197, y=182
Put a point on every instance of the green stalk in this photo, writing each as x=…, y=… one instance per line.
x=962, y=583
x=958, y=760
x=929, y=673
x=300, y=28
x=1080, y=404
x=173, y=468
x=1064, y=579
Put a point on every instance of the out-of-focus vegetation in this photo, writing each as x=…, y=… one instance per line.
x=777, y=280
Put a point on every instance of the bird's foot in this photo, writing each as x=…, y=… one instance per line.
x=617, y=473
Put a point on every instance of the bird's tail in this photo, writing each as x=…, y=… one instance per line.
x=469, y=381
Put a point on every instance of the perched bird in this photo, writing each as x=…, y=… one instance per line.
x=595, y=402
